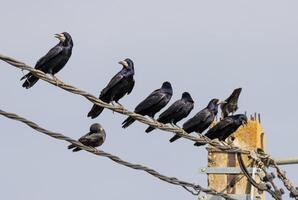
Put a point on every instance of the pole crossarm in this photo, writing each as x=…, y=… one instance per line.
x=286, y=161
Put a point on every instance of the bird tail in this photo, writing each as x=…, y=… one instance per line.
x=76, y=149
x=95, y=111
x=30, y=80
x=174, y=138
x=127, y=122
x=71, y=146
x=149, y=129
x=198, y=144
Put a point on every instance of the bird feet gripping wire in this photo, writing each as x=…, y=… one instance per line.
x=57, y=81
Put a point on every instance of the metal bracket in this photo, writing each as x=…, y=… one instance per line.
x=226, y=170
x=235, y=196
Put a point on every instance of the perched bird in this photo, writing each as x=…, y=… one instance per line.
x=122, y=83
x=202, y=120
x=223, y=129
x=153, y=103
x=53, y=61
x=176, y=112
x=94, y=138
x=231, y=105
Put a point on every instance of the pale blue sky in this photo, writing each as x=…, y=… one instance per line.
x=207, y=48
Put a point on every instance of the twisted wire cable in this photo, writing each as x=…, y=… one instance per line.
x=190, y=187
x=120, y=109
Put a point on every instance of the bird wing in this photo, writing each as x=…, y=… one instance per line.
x=56, y=50
x=233, y=98
x=186, y=108
x=132, y=84
x=115, y=80
x=153, y=99
x=90, y=138
x=176, y=107
x=199, y=118
x=215, y=130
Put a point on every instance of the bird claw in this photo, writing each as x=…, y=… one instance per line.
x=175, y=125
x=113, y=105
x=152, y=118
x=119, y=104
x=178, y=126
x=58, y=82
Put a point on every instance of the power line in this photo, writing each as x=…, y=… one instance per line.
x=264, y=159
x=120, y=109
x=190, y=187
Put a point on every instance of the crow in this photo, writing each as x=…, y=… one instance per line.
x=53, y=61
x=176, y=112
x=227, y=126
x=202, y=120
x=153, y=103
x=122, y=83
x=231, y=105
x=94, y=138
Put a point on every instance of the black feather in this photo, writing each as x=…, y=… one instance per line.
x=153, y=103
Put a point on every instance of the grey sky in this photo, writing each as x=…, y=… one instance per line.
x=205, y=47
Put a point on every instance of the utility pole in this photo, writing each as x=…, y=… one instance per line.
x=223, y=171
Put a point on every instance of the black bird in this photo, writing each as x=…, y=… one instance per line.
x=231, y=105
x=223, y=129
x=94, y=138
x=153, y=103
x=53, y=61
x=202, y=120
x=122, y=83
x=176, y=112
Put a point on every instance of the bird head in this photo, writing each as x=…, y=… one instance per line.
x=243, y=119
x=215, y=102
x=166, y=85
x=96, y=128
x=127, y=63
x=213, y=105
x=186, y=96
x=64, y=37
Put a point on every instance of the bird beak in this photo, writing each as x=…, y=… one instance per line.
x=221, y=102
x=60, y=37
x=123, y=63
x=244, y=123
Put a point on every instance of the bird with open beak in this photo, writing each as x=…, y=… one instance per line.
x=53, y=61
x=60, y=36
x=202, y=120
x=120, y=85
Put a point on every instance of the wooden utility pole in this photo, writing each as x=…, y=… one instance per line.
x=224, y=173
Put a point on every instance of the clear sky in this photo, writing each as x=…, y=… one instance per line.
x=207, y=48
